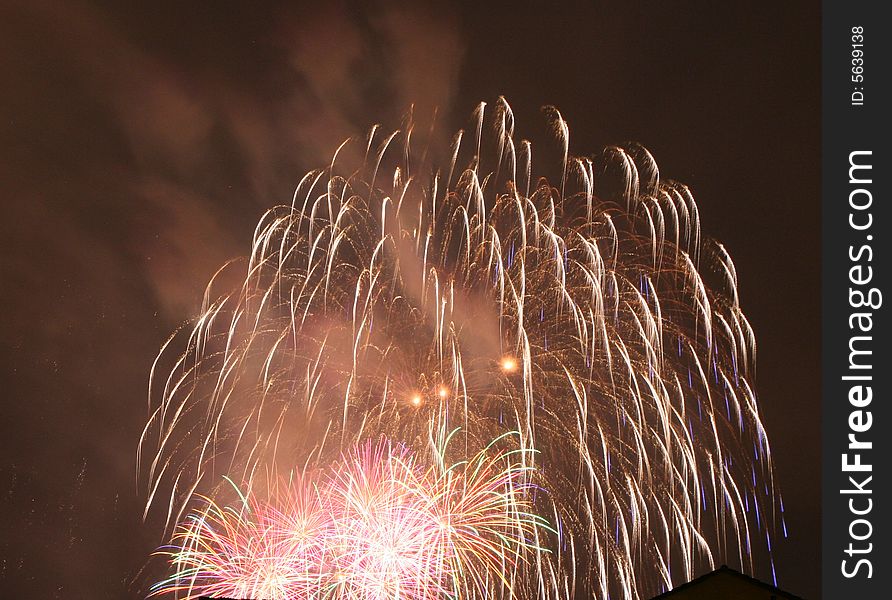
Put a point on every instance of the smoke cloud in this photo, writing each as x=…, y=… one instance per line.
x=139, y=147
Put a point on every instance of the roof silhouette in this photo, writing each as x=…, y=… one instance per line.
x=726, y=584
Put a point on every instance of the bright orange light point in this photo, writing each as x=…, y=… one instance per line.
x=416, y=400
x=509, y=364
x=443, y=393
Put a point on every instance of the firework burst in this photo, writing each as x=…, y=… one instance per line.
x=375, y=527
x=395, y=297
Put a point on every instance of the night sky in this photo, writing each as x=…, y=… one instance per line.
x=139, y=146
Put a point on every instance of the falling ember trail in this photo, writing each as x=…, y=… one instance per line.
x=439, y=381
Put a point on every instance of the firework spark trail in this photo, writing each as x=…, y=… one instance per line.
x=409, y=300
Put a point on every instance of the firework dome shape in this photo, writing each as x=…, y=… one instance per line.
x=458, y=379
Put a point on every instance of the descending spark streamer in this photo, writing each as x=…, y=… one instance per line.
x=589, y=319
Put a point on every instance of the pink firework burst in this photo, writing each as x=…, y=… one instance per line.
x=376, y=526
x=253, y=550
x=389, y=537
